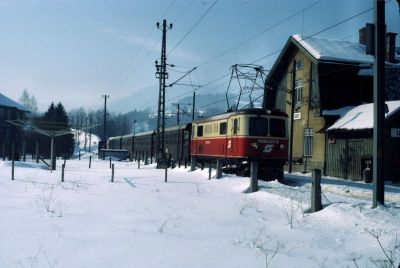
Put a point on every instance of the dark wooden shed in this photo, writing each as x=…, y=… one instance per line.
x=349, y=143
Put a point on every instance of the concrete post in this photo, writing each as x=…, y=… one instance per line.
x=4, y=151
x=219, y=169
x=24, y=150
x=316, y=204
x=146, y=160
x=112, y=173
x=37, y=151
x=90, y=161
x=110, y=161
x=166, y=173
x=209, y=170
x=193, y=164
x=12, y=158
x=62, y=172
x=254, y=177
x=138, y=163
x=52, y=167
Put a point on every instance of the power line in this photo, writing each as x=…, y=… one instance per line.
x=260, y=33
x=113, y=85
x=279, y=50
x=194, y=26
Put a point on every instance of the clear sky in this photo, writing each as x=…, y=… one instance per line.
x=75, y=51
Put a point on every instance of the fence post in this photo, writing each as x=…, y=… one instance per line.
x=37, y=151
x=185, y=162
x=79, y=153
x=209, y=170
x=12, y=157
x=24, y=150
x=112, y=173
x=193, y=164
x=4, y=150
x=219, y=169
x=166, y=173
x=179, y=163
x=316, y=204
x=90, y=161
x=146, y=160
x=110, y=161
x=254, y=176
x=138, y=163
x=62, y=172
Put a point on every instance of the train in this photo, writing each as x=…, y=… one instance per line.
x=237, y=138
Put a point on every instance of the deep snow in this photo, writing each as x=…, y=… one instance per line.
x=190, y=221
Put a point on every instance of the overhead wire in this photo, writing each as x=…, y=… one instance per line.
x=279, y=50
x=125, y=69
x=192, y=28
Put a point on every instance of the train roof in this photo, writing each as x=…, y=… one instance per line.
x=256, y=111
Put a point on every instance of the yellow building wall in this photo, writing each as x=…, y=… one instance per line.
x=309, y=117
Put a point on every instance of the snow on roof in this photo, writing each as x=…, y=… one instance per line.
x=334, y=50
x=338, y=112
x=362, y=117
x=7, y=102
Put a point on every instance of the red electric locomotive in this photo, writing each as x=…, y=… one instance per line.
x=241, y=137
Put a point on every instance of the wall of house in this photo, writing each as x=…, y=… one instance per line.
x=307, y=112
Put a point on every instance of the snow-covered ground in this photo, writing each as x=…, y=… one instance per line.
x=85, y=143
x=190, y=221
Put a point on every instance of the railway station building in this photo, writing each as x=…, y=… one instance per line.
x=328, y=78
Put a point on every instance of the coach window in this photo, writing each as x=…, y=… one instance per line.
x=235, y=126
x=277, y=127
x=222, y=128
x=200, y=131
x=258, y=126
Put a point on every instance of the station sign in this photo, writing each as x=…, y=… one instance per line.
x=395, y=132
x=296, y=116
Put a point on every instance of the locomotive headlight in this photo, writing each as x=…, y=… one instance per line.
x=254, y=145
x=282, y=146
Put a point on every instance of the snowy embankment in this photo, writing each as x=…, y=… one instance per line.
x=190, y=221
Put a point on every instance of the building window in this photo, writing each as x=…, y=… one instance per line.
x=308, y=141
x=299, y=64
x=298, y=91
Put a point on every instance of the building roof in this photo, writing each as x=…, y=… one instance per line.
x=324, y=49
x=362, y=117
x=7, y=102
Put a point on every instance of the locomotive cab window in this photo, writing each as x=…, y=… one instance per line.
x=222, y=128
x=200, y=131
x=277, y=127
x=258, y=126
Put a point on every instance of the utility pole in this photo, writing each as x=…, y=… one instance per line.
x=193, y=104
x=161, y=74
x=178, y=112
x=291, y=116
x=379, y=104
x=105, y=116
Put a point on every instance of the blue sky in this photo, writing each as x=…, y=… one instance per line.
x=75, y=51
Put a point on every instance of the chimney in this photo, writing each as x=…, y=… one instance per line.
x=390, y=47
x=361, y=36
x=366, y=37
